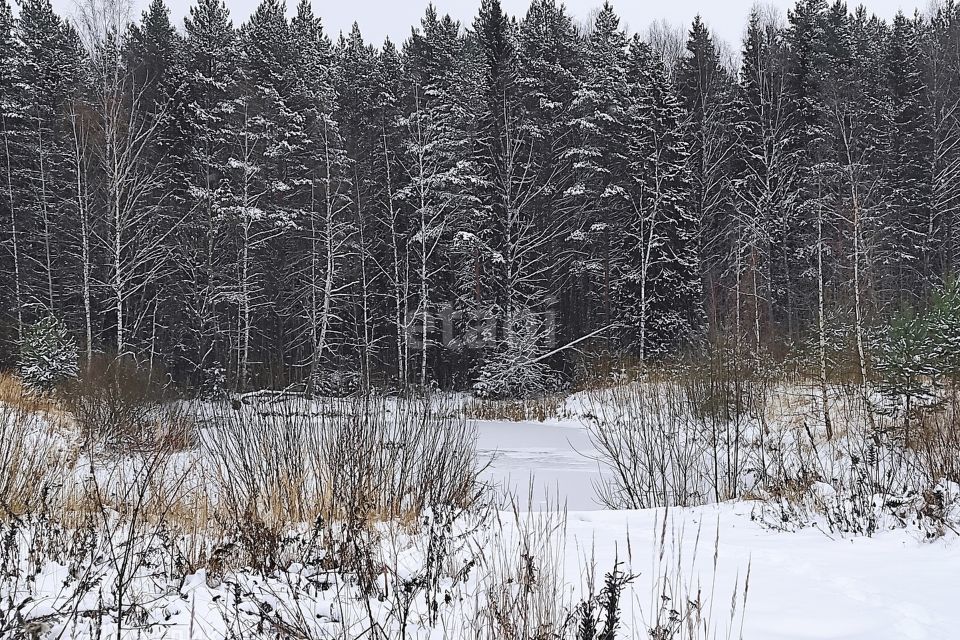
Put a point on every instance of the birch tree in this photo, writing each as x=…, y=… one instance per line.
x=132, y=189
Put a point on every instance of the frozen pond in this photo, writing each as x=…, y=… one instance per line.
x=540, y=463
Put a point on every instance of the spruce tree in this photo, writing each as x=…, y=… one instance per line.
x=658, y=290
x=11, y=285
x=394, y=220
x=941, y=91
x=48, y=355
x=910, y=154
x=600, y=158
x=507, y=248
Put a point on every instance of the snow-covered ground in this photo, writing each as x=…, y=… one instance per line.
x=803, y=584
x=754, y=579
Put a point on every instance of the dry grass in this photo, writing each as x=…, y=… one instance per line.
x=334, y=484
x=602, y=369
x=350, y=464
x=14, y=394
x=525, y=410
x=936, y=440
x=682, y=604
x=697, y=437
x=523, y=594
x=296, y=463
x=37, y=451
x=346, y=466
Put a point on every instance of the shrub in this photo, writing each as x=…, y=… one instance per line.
x=516, y=368
x=672, y=441
x=345, y=463
x=116, y=403
x=335, y=384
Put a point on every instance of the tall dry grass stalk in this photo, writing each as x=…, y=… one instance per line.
x=14, y=394
x=524, y=593
x=528, y=409
x=37, y=451
x=682, y=603
x=343, y=466
x=338, y=459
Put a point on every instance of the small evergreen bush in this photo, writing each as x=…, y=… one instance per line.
x=48, y=355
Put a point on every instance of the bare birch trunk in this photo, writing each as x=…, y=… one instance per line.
x=14, y=235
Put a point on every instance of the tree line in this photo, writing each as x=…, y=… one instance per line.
x=265, y=205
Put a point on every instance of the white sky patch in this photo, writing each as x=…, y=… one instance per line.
x=379, y=19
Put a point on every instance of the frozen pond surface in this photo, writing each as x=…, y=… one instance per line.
x=541, y=463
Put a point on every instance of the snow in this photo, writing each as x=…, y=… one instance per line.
x=802, y=584
x=540, y=464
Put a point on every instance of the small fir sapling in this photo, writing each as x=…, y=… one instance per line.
x=48, y=355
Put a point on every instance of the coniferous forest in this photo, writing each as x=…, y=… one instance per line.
x=525, y=328
x=490, y=206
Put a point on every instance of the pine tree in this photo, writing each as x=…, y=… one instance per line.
x=762, y=234
x=153, y=52
x=905, y=361
x=484, y=240
x=944, y=327
x=359, y=105
x=394, y=219
x=261, y=126
x=327, y=226
x=47, y=70
x=439, y=181
x=549, y=67
x=153, y=49
x=210, y=55
x=805, y=68
x=262, y=207
x=854, y=124
x=505, y=248
x=706, y=91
